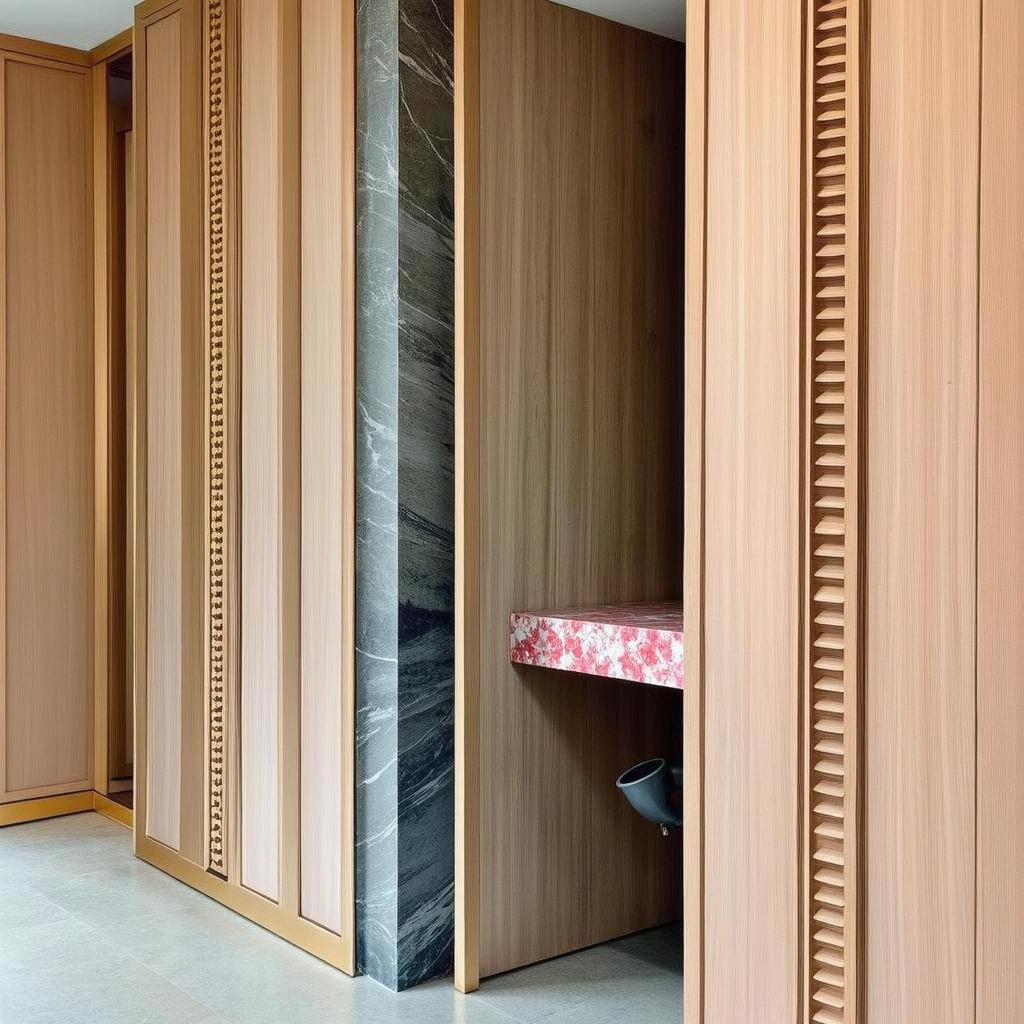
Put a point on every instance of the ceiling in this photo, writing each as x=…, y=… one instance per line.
x=664, y=17
x=79, y=23
x=87, y=23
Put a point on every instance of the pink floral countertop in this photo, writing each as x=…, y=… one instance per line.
x=641, y=643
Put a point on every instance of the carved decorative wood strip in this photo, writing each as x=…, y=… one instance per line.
x=832, y=564
x=216, y=472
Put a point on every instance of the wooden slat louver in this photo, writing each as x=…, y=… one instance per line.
x=831, y=411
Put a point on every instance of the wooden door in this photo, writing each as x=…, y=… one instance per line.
x=47, y=455
x=244, y=456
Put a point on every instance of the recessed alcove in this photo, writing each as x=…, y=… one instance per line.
x=569, y=506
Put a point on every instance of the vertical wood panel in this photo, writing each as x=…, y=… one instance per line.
x=163, y=367
x=694, y=460
x=752, y=507
x=579, y=347
x=193, y=391
x=327, y=451
x=1000, y=850
x=102, y=154
x=130, y=315
x=252, y=252
x=48, y=433
x=920, y=525
x=270, y=525
x=467, y=494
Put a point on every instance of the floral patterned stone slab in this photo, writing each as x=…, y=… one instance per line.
x=640, y=643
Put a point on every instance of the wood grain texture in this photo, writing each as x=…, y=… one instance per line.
x=579, y=347
x=270, y=429
x=130, y=314
x=694, y=460
x=163, y=435
x=44, y=51
x=920, y=513
x=328, y=460
x=1000, y=811
x=101, y=424
x=48, y=428
x=467, y=494
x=752, y=494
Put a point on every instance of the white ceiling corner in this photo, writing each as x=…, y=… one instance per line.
x=82, y=24
x=663, y=17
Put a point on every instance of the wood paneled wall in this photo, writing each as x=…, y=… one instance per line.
x=327, y=461
x=46, y=444
x=248, y=422
x=752, y=409
x=169, y=637
x=920, y=474
x=908, y=897
x=568, y=493
x=269, y=97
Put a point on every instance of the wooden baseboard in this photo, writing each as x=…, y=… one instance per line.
x=113, y=810
x=327, y=946
x=21, y=811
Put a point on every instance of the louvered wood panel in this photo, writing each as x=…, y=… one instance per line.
x=832, y=566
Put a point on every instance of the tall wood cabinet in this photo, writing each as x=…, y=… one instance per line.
x=243, y=457
x=855, y=815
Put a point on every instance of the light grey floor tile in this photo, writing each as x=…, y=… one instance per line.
x=66, y=973
x=90, y=935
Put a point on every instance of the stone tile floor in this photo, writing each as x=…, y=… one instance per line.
x=90, y=935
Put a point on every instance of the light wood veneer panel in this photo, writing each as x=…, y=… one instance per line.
x=163, y=342
x=269, y=432
x=696, y=173
x=752, y=494
x=579, y=459
x=920, y=512
x=1000, y=867
x=328, y=460
x=48, y=429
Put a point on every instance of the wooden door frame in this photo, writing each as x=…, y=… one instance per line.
x=107, y=434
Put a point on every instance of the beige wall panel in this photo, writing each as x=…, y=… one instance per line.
x=580, y=351
x=327, y=387
x=269, y=425
x=164, y=343
x=752, y=513
x=1000, y=913
x=49, y=428
x=920, y=515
